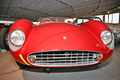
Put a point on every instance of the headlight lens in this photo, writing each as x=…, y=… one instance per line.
x=106, y=37
x=118, y=35
x=17, y=37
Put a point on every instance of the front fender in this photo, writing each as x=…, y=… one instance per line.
x=24, y=25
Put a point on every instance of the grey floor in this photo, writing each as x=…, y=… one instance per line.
x=107, y=70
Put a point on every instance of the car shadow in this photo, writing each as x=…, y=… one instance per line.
x=67, y=69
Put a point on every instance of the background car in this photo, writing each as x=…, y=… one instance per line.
x=1, y=27
x=4, y=36
x=116, y=31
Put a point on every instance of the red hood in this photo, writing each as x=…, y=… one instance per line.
x=62, y=36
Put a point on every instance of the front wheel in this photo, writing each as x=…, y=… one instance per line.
x=4, y=39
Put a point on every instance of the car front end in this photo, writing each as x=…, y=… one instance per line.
x=60, y=44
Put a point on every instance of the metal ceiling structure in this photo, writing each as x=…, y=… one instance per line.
x=34, y=9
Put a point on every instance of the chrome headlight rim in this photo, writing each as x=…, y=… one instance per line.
x=22, y=34
x=110, y=34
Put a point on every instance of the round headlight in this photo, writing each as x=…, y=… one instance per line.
x=106, y=37
x=118, y=35
x=17, y=37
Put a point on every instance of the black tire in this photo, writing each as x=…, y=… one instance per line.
x=3, y=34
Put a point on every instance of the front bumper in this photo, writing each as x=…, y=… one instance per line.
x=64, y=58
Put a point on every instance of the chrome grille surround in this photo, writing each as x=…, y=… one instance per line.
x=65, y=58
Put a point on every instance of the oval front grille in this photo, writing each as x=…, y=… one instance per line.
x=65, y=58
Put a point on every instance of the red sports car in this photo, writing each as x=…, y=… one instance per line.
x=58, y=44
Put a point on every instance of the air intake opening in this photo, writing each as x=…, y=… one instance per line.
x=64, y=58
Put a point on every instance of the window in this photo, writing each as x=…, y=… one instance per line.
x=110, y=18
x=97, y=19
x=100, y=16
x=115, y=18
x=79, y=21
x=106, y=18
x=85, y=20
x=71, y=20
x=82, y=21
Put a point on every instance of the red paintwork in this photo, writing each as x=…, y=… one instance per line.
x=1, y=27
x=69, y=22
x=46, y=21
x=49, y=37
x=58, y=20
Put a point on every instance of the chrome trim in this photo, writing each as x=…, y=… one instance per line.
x=65, y=58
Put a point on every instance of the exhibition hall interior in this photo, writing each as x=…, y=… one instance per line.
x=60, y=39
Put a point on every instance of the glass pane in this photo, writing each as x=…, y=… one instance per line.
x=100, y=16
x=97, y=19
x=71, y=20
x=110, y=18
x=85, y=20
x=115, y=18
x=106, y=18
x=79, y=21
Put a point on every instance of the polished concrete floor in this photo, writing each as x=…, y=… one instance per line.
x=107, y=70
